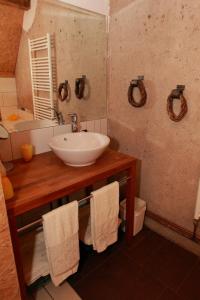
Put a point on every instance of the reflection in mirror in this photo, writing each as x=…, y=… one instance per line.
x=79, y=47
x=3, y=133
x=6, y=166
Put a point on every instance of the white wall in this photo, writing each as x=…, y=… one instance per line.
x=99, y=6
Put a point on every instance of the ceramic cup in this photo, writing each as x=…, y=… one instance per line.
x=27, y=152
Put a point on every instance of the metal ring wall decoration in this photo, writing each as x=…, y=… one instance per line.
x=63, y=87
x=80, y=87
x=137, y=83
x=177, y=94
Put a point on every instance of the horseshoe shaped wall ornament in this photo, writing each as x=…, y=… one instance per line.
x=177, y=94
x=63, y=87
x=137, y=83
x=80, y=87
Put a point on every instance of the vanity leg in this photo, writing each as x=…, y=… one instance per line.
x=15, y=243
x=89, y=189
x=130, y=201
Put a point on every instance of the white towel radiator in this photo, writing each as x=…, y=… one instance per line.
x=42, y=76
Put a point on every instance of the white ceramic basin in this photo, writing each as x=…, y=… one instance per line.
x=80, y=148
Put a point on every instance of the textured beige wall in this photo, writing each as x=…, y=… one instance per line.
x=81, y=48
x=9, y=288
x=11, y=19
x=160, y=40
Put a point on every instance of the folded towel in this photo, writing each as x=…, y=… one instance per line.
x=104, y=211
x=62, y=242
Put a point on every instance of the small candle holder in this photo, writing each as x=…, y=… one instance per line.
x=27, y=152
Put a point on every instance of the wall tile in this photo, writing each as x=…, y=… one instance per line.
x=10, y=99
x=104, y=126
x=5, y=149
x=61, y=129
x=41, y=294
x=63, y=292
x=1, y=100
x=90, y=125
x=97, y=126
x=7, y=85
x=39, y=138
x=83, y=125
x=8, y=110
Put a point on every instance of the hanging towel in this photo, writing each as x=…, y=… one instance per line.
x=85, y=225
x=62, y=242
x=104, y=211
x=197, y=207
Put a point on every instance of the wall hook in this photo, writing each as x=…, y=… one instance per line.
x=137, y=83
x=80, y=87
x=177, y=94
x=63, y=90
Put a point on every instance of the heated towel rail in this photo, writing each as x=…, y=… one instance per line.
x=42, y=76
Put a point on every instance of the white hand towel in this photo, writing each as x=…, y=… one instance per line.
x=104, y=211
x=197, y=207
x=62, y=242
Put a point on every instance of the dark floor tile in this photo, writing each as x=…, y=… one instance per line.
x=119, y=278
x=190, y=288
x=91, y=260
x=144, y=246
x=171, y=264
x=169, y=295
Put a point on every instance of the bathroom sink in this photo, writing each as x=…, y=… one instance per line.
x=79, y=149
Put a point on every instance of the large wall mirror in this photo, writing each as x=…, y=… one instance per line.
x=79, y=52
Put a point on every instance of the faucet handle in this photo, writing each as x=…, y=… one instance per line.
x=73, y=116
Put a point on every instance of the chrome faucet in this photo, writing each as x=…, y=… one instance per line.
x=74, y=122
x=58, y=115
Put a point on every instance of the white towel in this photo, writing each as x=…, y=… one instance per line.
x=104, y=211
x=197, y=207
x=85, y=225
x=62, y=242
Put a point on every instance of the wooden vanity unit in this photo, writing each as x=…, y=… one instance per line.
x=46, y=178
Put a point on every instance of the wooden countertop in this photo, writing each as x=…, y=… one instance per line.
x=46, y=178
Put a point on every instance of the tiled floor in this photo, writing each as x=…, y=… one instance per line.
x=48, y=291
x=150, y=268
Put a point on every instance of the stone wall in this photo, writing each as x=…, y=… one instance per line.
x=160, y=40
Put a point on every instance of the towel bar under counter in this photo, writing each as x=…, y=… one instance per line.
x=80, y=202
